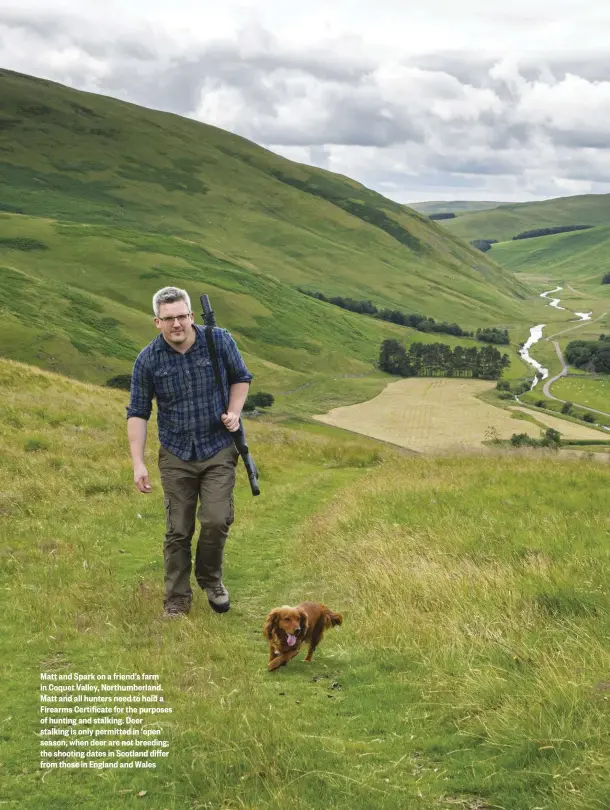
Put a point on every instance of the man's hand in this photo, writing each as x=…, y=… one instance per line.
x=231, y=421
x=140, y=477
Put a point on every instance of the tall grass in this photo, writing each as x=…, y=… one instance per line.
x=471, y=669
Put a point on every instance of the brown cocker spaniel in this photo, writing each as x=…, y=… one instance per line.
x=287, y=628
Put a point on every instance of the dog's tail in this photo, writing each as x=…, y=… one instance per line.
x=333, y=619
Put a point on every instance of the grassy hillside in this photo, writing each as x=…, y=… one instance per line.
x=575, y=261
x=471, y=669
x=453, y=206
x=104, y=202
x=580, y=256
x=506, y=221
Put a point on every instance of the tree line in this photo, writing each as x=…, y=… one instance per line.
x=551, y=439
x=592, y=355
x=420, y=322
x=491, y=334
x=439, y=359
x=21, y=243
x=551, y=231
x=483, y=244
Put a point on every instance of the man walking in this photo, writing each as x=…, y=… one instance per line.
x=197, y=455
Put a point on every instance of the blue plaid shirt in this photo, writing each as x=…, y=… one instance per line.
x=189, y=404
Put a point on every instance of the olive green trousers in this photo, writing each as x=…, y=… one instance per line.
x=203, y=490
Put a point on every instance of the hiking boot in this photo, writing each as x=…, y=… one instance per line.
x=174, y=608
x=218, y=597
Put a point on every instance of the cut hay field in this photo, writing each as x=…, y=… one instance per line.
x=437, y=414
x=568, y=430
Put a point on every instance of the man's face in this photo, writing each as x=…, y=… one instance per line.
x=175, y=322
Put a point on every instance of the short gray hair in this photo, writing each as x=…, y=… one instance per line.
x=167, y=296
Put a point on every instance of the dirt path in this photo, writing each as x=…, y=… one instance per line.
x=546, y=389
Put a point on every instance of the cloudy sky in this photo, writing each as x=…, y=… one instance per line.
x=434, y=100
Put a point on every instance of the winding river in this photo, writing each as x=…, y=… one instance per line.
x=536, y=334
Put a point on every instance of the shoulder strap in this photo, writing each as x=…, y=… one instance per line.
x=214, y=358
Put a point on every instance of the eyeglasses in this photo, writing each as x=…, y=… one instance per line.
x=171, y=318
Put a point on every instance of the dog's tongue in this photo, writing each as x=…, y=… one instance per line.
x=292, y=640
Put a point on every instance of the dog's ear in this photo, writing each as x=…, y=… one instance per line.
x=304, y=623
x=271, y=624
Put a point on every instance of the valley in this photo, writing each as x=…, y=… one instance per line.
x=472, y=666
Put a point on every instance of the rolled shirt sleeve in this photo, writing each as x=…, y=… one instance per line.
x=140, y=401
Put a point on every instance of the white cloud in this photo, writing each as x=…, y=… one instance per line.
x=403, y=99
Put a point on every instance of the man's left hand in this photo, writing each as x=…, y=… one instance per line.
x=231, y=421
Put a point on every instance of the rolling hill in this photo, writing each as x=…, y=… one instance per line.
x=578, y=258
x=453, y=206
x=471, y=669
x=579, y=255
x=103, y=202
x=506, y=221
x=575, y=263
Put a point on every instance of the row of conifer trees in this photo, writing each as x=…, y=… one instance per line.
x=439, y=359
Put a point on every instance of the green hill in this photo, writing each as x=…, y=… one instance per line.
x=506, y=221
x=453, y=206
x=104, y=202
x=582, y=256
x=576, y=262
x=471, y=669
